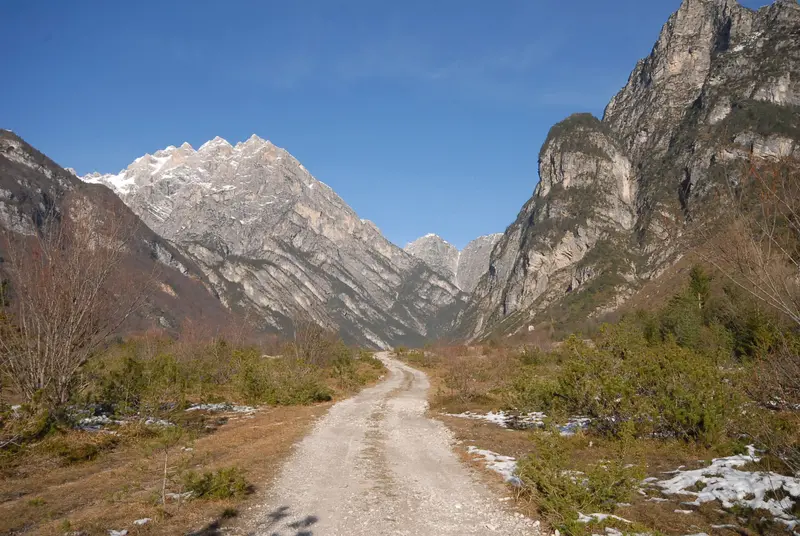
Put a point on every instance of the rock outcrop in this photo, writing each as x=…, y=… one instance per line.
x=721, y=84
x=280, y=245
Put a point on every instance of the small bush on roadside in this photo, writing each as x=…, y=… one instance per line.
x=76, y=447
x=561, y=493
x=365, y=356
x=223, y=483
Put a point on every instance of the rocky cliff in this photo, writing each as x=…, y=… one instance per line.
x=279, y=244
x=463, y=267
x=722, y=83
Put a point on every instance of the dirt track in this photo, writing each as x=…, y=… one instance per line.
x=375, y=464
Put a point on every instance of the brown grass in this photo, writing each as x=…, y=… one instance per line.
x=44, y=496
x=656, y=456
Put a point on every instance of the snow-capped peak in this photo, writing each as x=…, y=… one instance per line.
x=187, y=147
x=214, y=144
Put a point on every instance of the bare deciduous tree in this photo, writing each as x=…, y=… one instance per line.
x=68, y=294
x=759, y=252
x=312, y=343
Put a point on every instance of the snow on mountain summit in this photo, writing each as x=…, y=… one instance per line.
x=276, y=241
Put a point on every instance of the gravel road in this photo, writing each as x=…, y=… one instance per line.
x=375, y=464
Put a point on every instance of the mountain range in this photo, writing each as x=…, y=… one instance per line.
x=278, y=245
x=255, y=232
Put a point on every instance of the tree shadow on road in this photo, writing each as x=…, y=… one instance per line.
x=282, y=522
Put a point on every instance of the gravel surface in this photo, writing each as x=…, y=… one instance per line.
x=375, y=464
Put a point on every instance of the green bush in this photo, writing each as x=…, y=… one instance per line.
x=224, y=483
x=561, y=492
x=279, y=381
x=625, y=384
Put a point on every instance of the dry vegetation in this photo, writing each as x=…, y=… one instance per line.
x=94, y=428
x=711, y=368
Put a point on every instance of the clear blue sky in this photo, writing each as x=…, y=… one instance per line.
x=424, y=115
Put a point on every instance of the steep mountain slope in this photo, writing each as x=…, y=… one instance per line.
x=281, y=245
x=463, y=267
x=437, y=253
x=32, y=187
x=721, y=83
x=473, y=261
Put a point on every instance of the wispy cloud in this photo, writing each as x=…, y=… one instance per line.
x=506, y=74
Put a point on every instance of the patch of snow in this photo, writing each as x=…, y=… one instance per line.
x=523, y=421
x=684, y=511
x=143, y=521
x=589, y=518
x=503, y=465
x=112, y=532
x=222, y=406
x=723, y=481
x=97, y=422
x=502, y=419
x=180, y=496
x=150, y=421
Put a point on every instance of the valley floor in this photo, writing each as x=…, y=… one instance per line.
x=114, y=491
x=376, y=464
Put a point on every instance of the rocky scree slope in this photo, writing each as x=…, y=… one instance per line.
x=721, y=84
x=34, y=189
x=463, y=267
x=280, y=245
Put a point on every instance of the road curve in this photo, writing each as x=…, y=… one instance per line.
x=374, y=465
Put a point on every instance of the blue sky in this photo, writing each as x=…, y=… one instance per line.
x=425, y=116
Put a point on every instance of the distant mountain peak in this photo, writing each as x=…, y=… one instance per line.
x=216, y=143
x=464, y=267
x=280, y=244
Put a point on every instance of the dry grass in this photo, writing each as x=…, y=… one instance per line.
x=44, y=496
x=655, y=456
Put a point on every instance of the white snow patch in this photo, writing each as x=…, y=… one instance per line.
x=726, y=483
x=143, y=521
x=589, y=518
x=523, y=421
x=150, y=421
x=223, y=406
x=504, y=465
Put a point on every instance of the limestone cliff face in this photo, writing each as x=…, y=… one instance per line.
x=585, y=198
x=281, y=245
x=722, y=83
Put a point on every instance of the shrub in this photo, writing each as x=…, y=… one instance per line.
x=561, y=492
x=623, y=383
x=365, y=356
x=223, y=483
x=76, y=447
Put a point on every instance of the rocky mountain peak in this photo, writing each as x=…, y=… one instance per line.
x=275, y=241
x=720, y=86
x=438, y=253
x=217, y=144
x=464, y=267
